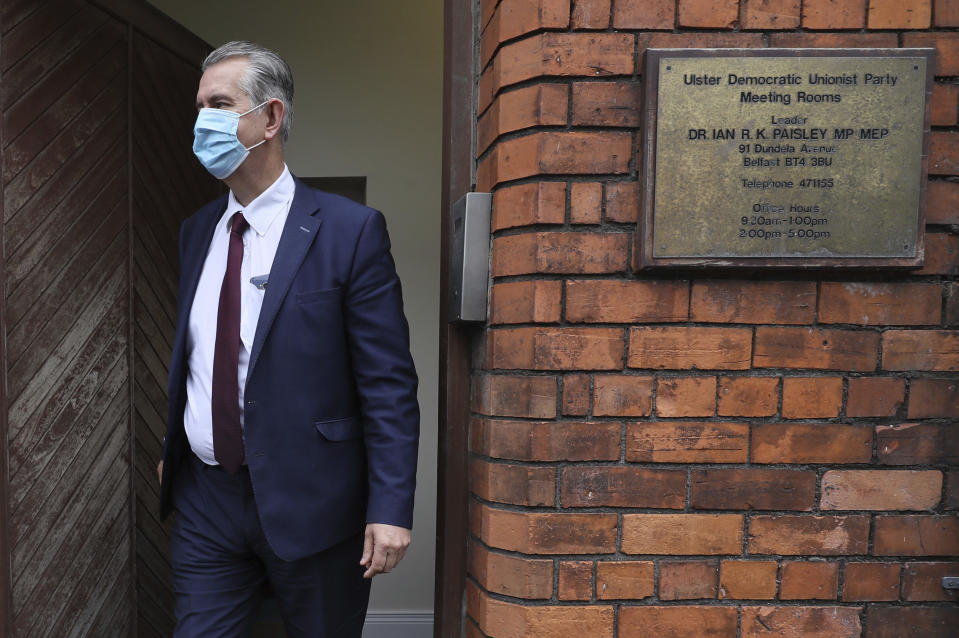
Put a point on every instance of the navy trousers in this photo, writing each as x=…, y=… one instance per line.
x=222, y=564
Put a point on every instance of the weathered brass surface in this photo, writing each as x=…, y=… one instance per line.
x=778, y=165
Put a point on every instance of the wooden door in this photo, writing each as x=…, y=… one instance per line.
x=97, y=109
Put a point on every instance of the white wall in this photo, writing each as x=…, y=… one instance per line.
x=368, y=102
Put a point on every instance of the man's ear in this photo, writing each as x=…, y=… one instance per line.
x=275, y=110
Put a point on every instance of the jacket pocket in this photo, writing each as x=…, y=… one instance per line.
x=340, y=429
x=318, y=295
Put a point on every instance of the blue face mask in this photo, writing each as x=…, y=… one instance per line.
x=215, y=142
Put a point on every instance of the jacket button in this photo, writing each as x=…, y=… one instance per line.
x=250, y=404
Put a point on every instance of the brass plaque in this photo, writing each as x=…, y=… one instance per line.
x=791, y=156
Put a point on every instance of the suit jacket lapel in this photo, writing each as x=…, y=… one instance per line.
x=298, y=234
x=194, y=255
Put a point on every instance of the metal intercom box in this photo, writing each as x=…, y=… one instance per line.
x=469, y=263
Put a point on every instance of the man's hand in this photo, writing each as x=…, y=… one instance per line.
x=160, y=472
x=383, y=547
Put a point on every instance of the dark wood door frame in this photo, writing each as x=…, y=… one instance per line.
x=452, y=507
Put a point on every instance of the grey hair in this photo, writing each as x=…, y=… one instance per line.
x=267, y=76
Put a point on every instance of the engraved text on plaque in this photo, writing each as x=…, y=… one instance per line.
x=795, y=156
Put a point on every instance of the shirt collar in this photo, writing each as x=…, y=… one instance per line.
x=261, y=212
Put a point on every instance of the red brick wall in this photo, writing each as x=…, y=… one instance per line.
x=699, y=455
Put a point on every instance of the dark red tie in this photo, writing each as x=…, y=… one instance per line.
x=227, y=434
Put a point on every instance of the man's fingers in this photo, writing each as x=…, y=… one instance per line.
x=367, y=548
x=377, y=563
x=389, y=545
x=390, y=562
x=160, y=472
x=393, y=558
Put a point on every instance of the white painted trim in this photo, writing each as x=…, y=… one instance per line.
x=398, y=624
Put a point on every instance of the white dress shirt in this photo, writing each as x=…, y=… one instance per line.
x=266, y=215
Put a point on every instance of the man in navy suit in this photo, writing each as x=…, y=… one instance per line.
x=290, y=454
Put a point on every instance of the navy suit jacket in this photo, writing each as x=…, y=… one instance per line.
x=331, y=421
